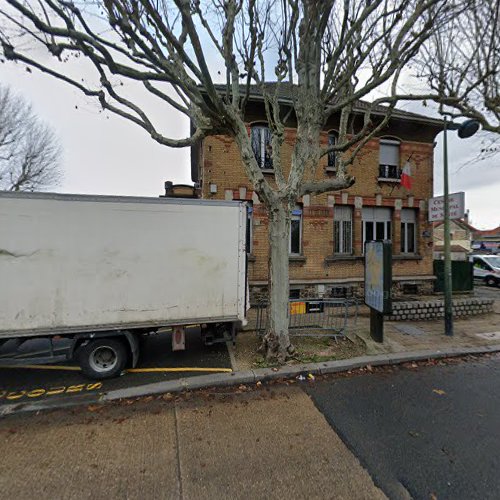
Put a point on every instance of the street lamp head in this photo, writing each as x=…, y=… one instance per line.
x=468, y=128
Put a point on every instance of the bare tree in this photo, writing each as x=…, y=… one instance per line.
x=330, y=54
x=461, y=63
x=29, y=150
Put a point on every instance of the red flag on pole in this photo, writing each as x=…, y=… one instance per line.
x=406, y=179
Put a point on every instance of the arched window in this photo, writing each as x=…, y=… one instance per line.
x=389, y=159
x=332, y=155
x=261, y=145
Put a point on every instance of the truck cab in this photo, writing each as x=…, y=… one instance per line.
x=487, y=268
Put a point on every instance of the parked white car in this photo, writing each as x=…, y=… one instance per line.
x=487, y=268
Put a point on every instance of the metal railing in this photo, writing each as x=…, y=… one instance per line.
x=314, y=317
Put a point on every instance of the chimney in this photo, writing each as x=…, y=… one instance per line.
x=466, y=217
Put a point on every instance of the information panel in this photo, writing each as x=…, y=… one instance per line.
x=378, y=275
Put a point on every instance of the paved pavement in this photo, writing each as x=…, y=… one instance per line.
x=424, y=432
x=421, y=432
x=269, y=443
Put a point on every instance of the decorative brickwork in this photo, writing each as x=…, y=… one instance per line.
x=220, y=165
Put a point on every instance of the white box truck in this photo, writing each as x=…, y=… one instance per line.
x=102, y=270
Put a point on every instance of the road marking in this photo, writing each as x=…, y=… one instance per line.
x=129, y=370
x=173, y=370
x=52, y=391
x=44, y=367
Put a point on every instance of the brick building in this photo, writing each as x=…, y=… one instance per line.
x=328, y=230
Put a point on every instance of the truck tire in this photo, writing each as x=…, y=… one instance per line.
x=490, y=281
x=102, y=358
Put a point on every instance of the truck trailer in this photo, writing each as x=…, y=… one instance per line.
x=103, y=271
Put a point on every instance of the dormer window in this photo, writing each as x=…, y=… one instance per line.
x=389, y=159
x=332, y=155
x=262, y=147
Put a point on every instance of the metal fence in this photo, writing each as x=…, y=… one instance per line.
x=314, y=317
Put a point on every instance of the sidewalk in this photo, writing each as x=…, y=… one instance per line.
x=269, y=442
x=399, y=338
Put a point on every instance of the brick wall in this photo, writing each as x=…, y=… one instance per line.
x=221, y=166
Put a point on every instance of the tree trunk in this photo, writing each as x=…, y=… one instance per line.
x=276, y=343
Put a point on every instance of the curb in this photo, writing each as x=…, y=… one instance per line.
x=246, y=377
x=287, y=372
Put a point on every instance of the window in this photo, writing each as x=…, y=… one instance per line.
x=480, y=264
x=342, y=229
x=296, y=231
x=389, y=159
x=332, y=155
x=261, y=145
x=249, y=234
x=376, y=224
x=408, y=230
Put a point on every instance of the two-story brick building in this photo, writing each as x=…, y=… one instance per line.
x=328, y=231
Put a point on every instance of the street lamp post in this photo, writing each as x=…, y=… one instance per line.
x=465, y=129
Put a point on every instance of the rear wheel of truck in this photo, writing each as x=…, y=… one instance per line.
x=102, y=358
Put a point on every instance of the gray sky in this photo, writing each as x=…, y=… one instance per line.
x=108, y=155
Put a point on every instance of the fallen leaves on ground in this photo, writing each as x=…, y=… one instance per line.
x=439, y=391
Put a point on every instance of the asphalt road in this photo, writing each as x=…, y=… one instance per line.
x=487, y=292
x=420, y=432
x=21, y=385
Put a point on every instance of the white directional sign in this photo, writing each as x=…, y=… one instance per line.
x=457, y=207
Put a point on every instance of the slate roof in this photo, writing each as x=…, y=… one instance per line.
x=286, y=95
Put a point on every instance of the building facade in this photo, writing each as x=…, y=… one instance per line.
x=328, y=231
x=460, y=240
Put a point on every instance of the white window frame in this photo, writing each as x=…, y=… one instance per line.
x=296, y=216
x=374, y=215
x=391, y=163
x=263, y=143
x=343, y=215
x=408, y=216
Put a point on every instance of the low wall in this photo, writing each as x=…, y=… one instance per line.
x=404, y=311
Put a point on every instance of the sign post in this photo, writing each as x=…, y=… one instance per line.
x=378, y=281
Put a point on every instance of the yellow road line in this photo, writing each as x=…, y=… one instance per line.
x=158, y=370
x=130, y=370
x=45, y=367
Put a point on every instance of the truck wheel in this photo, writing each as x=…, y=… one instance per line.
x=490, y=281
x=102, y=358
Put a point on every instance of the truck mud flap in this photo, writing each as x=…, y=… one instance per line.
x=133, y=341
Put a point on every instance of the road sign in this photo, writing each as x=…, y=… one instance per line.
x=457, y=207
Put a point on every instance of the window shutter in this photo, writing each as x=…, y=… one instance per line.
x=408, y=215
x=389, y=153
